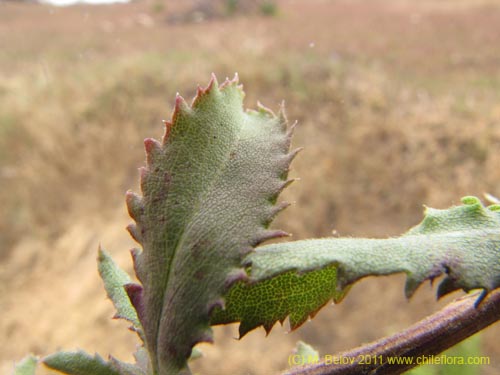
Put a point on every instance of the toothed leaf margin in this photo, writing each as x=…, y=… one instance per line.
x=462, y=243
x=209, y=193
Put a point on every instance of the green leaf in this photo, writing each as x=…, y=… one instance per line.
x=27, y=366
x=306, y=351
x=115, y=280
x=462, y=243
x=124, y=368
x=142, y=364
x=268, y=301
x=209, y=192
x=79, y=363
x=195, y=354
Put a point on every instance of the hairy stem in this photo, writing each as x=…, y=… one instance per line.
x=432, y=335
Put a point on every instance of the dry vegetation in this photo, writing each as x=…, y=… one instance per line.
x=398, y=106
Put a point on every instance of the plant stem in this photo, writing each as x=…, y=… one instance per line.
x=430, y=336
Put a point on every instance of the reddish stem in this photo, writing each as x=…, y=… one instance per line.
x=430, y=336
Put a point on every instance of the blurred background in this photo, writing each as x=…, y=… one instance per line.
x=398, y=105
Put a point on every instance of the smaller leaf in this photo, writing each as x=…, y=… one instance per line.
x=27, y=366
x=195, y=354
x=297, y=295
x=80, y=363
x=115, y=279
x=306, y=350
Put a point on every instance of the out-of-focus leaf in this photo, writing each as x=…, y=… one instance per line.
x=79, y=363
x=27, y=366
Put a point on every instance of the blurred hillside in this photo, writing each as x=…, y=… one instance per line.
x=397, y=103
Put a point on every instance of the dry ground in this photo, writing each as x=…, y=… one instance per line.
x=398, y=106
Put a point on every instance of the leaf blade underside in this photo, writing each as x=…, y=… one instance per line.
x=209, y=192
x=462, y=243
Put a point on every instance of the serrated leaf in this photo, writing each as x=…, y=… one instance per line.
x=115, y=280
x=27, y=366
x=142, y=360
x=462, y=243
x=209, y=193
x=80, y=363
x=289, y=294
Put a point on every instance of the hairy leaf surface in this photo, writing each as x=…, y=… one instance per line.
x=80, y=363
x=462, y=243
x=115, y=279
x=209, y=193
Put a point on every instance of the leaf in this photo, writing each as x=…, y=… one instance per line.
x=115, y=280
x=462, y=243
x=209, y=193
x=124, y=368
x=27, y=366
x=271, y=300
x=195, y=354
x=142, y=364
x=306, y=351
x=79, y=363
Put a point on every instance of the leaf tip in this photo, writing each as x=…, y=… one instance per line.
x=101, y=253
x=218, y=304
x=275, y=210
x=470, y=200
x=268, y=327
x=446, y=286
x=180, y=108
x=265, y=110
x=411, y=286
x=212, y=87
x=134, y=232
x=134, y=202
x=153, y=149
x=235, y=276
x=282, y=116
x=269, y=235
x=231, y=82
x=292, y=154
